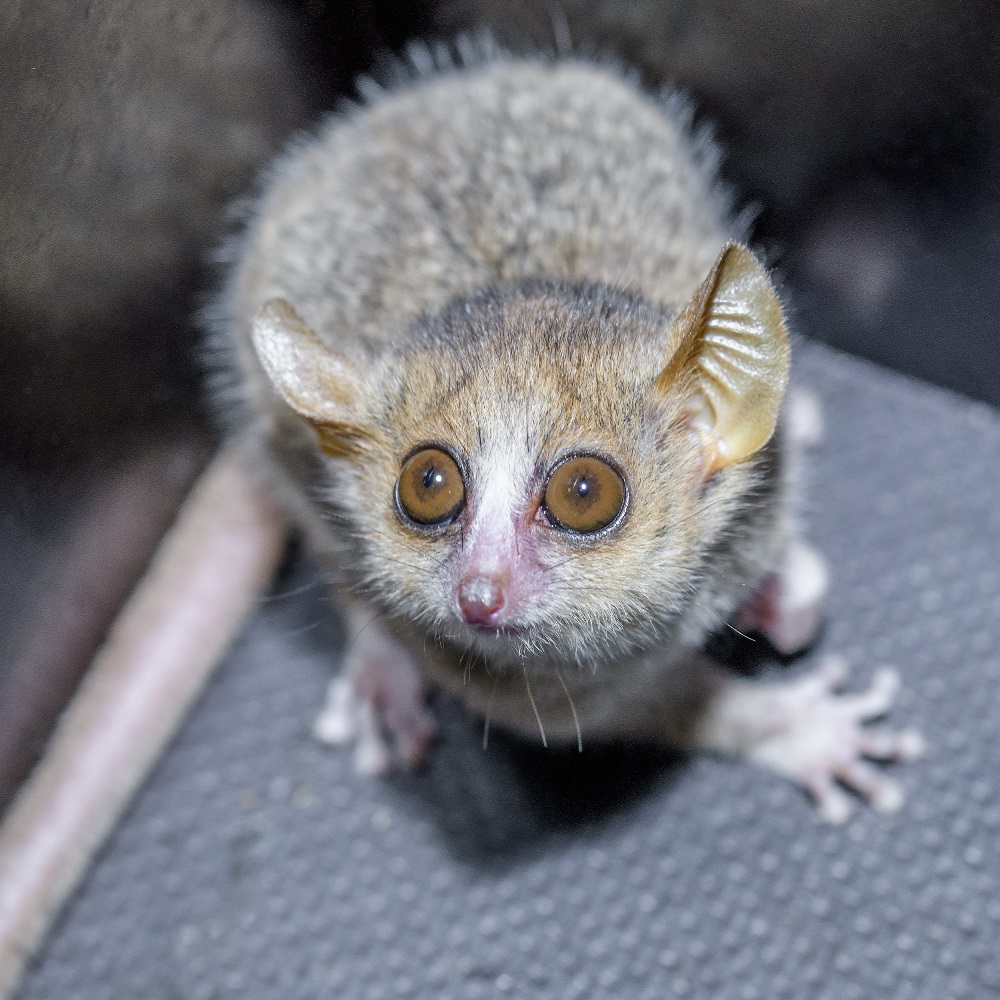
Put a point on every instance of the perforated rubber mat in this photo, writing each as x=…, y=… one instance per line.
x=256, y=864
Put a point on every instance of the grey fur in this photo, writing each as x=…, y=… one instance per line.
x=517, y=194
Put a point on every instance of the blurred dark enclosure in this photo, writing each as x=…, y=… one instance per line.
x=128, y=130
x=867, y=136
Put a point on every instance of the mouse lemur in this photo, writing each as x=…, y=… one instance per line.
x=519, y=382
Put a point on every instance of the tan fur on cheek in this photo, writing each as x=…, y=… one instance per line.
x=341, y=440
x=407, y=568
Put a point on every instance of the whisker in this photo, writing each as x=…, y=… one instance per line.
x=534, y=708
x=357, y=635
x=418, y=550
x=302, y=629
x=562, y=562
x=695, y=513
x=489, y=712
x=572, y=708
x=712, y=611
x=280, y=595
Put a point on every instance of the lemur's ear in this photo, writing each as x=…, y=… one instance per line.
x=731, y=359
x=317, y=383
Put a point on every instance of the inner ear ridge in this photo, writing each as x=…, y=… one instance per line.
x=747, y=356
x=733, y=355
x=745, y=335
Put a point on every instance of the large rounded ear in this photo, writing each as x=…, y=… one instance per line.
x=731, y=359
x=322, y=386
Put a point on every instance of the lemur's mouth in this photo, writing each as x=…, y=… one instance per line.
x=496, y=630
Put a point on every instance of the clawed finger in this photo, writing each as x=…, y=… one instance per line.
x=904, y=746
x=414, y=734
x=877, y=699
x=882, y=792
x=372, y=755
x=337, y=723
x=832, y=802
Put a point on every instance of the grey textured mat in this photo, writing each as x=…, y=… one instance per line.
x=255, y=864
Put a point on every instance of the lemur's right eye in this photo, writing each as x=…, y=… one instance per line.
x=430, y=490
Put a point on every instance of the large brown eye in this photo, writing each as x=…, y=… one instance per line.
x=584, y=494
x=430, y=488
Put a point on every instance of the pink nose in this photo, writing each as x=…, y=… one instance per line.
x=481, y=600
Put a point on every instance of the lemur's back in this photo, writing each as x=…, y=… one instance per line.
x=516, y=169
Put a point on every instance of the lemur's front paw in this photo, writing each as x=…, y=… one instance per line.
x=814, y=736
x=377, y=704
x=804, y=730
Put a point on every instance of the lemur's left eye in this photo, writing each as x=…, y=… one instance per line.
x=430, y=490
x=585, y=494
